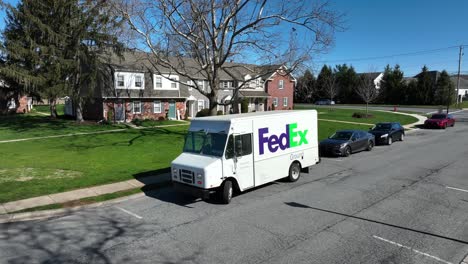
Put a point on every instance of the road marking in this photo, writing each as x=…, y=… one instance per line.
x=130, y=213
x=412, y=249
x=453, y=188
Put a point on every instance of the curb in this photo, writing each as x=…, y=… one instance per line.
x=48, y=214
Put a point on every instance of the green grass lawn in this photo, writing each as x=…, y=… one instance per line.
x=39, y=167
x=346, y=115
x=34, y=125
x=153, y=123
x=45, y=109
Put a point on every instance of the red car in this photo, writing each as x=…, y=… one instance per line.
x=439, y=121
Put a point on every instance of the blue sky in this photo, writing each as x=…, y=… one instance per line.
x=381, y=28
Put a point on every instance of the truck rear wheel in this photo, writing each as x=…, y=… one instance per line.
x=226, y=192
x=294, y=172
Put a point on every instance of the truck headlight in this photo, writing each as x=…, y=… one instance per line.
x=175, y=173
x=199, y=176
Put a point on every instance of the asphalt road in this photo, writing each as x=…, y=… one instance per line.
x=404, y=203
x=389, y=108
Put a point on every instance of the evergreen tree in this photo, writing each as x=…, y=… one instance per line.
x=56, y=47
x=305, y=90
x=426, y=87
x=347, y=80
x=445, y=90
x=322, y=80
x=393, y=86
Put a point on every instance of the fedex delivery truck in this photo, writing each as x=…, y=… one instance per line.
x=242, y=151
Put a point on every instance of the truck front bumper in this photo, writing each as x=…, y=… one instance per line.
x=192, y=190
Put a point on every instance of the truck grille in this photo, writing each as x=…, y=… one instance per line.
x=187, y=176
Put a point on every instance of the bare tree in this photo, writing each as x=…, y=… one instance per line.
x=199, y=39
x=331, y=87
x=367, y=90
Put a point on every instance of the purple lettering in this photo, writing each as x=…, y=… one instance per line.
x=262, y=140
x=272, y=143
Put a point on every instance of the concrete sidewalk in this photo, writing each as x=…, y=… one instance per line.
x=83, y=193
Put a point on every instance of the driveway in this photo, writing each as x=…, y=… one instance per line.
x=404, y=203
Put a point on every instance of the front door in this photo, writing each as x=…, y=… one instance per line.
x=119, y=111
x=172, y=110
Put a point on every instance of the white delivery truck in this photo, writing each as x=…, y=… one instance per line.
x=242, y=151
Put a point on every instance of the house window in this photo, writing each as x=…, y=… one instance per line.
x=275, y=102
x=137, y=107
x=201, y=85
x=201, y=105
x=158, y=82
x=120, y=81
x=173, y=84
x=281, y=84
x=285, y=101
x=189, y=85
x=138, y=81
x=157, y=107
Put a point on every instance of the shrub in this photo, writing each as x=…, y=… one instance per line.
x=362, y=115
x=219, y=112
x=203, y=112
x=137, y=122
x=245, y=105
x=161, y=118
x=110, y=116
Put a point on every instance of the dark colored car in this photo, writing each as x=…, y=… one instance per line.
x=439, y=121
x=387, y=133
x=345, y=142
x=324, y=102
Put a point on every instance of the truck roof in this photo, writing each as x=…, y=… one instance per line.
x=249, y=115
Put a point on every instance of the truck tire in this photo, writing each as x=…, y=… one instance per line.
x=226, y=192
x=294, y=172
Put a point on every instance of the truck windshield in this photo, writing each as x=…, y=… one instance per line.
x=200, y=142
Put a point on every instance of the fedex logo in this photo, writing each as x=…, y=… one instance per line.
x=289, y=139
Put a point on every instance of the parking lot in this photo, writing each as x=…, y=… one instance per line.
x=404, y=203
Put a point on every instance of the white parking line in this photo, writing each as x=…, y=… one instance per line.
x=453, y=188
x=412, y=249
x=128, y=212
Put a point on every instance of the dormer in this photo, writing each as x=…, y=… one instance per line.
x=129, y=80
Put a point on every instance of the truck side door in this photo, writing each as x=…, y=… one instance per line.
x=239, y=160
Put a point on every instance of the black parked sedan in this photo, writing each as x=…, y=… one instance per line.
x=345, y=142
x=387, y=133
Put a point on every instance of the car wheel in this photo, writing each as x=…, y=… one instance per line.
x=347, y=151
x=444, y=126
x=453, y=124
x=227, y=192
x=294, y=172
x=402, y=137
x=370, y=145
x=389, y=140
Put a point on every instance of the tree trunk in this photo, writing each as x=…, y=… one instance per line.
x=367, y=109
x=79, y=111
x=53, y=107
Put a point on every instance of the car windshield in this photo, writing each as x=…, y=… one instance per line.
x=201, y=142
x=438, y=117
x=344, y=135
x=383, y=127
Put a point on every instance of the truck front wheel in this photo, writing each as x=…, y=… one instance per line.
x=294, y=172
x=226, y=192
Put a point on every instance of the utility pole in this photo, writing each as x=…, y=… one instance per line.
x=458, y=77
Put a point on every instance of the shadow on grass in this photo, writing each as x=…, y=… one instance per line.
x=22, y=122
